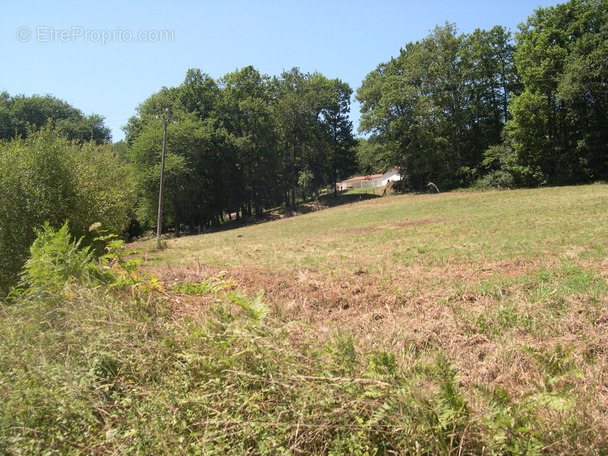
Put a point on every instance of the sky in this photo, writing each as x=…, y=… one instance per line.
x=107, y=57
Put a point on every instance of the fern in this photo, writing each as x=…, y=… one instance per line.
x=557, y=366
x=254, y=308
x=55, y=259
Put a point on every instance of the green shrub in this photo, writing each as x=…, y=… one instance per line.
x=55, y=259
x=47, y=179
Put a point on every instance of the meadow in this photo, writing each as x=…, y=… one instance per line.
x=456, y=323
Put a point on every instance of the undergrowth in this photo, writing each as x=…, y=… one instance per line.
x=93, y=360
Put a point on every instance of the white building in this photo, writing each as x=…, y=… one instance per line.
x=374, y=180
x=391, y=175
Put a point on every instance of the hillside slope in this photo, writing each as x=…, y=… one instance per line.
x=511, y=285
x=464, y=323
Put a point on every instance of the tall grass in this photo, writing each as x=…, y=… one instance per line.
x=106, y=359
x=95, y=374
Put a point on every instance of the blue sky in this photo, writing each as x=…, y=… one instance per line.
x=108, y=57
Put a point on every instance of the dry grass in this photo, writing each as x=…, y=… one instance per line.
x=466, y=323
x=511, y=286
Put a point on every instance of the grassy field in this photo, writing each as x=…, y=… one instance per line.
x=510, y=286
x=458, y=323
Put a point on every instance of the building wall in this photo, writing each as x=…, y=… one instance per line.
x=392, y=175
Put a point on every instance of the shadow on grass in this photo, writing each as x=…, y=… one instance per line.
x=302, y=208
x=327, y=201
x=318, y=204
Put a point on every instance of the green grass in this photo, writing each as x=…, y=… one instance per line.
x=363, y=191
x=462, y=323
x=547, y=224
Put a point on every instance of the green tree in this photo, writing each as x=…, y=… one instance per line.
x=197, y=181
x=338, y=129
x=243, y=144
x=559, y=121
x=316, y=136
x=121, y=150
x=369, y=156
x=245, y=112
x=296, y=115
x=20, y=115
x=194, y=172
x=398, y=110
x=492, y=81
x=149, y=111
x=440, y=104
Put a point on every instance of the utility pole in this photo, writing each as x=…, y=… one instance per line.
x=159, y=223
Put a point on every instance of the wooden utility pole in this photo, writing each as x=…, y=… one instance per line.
x=159, y=222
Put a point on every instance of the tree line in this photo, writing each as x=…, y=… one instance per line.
x=20, y=115
x=493, y=109
x=241, y=145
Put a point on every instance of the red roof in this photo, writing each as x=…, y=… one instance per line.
x=360, y=178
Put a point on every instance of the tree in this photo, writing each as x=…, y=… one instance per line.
x=440, y=104
x=243, y=144
x=148, y=112
x=559, y=125
x=194, y=173
x=121, y=150
x=294, y=110
x=245, y=113
x=342, y=160
x=20, y=115
x=493, y=81
x=192, y=160
x=316, y=136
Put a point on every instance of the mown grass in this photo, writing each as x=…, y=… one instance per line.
x=544, y=224
x=464, y=323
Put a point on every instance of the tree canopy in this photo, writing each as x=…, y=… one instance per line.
x=242, y=144
x=20, y=115
x=488, y=107
x=440, y=104
x=560, y=124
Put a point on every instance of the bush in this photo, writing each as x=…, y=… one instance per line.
x=496, y=179
x=399, y=186
x=47, y=179
x=502, y=168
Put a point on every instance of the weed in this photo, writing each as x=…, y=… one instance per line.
x=511, y=427
x=556, y=366
x=55, y=259
x=254, y=308
x=212, y=285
